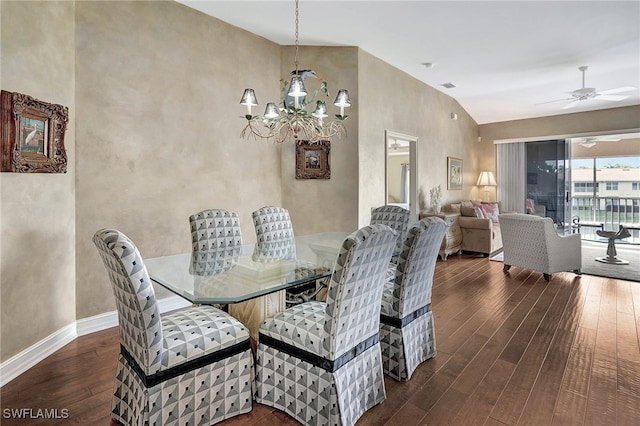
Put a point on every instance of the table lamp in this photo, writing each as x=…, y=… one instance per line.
x=486, y=179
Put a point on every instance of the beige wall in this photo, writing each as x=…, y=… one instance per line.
x=324, y=205
x=158, y=137
x=392, y=100
x=581, y=123
x=37, y=213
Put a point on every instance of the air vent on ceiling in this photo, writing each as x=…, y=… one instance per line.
x=448, y=85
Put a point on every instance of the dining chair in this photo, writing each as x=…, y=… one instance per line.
x=275, y=240
x=194, y=366
x=407, y=330
x=216, y=241
x=397, y=218
x=320, y=362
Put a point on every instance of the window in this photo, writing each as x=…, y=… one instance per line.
x=612, y=186
x=584, y=187
x=635, y=186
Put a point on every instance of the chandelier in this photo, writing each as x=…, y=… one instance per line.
x=292, y=121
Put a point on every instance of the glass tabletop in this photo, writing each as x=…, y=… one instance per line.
x=244, y=278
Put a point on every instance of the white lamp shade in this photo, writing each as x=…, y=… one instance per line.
x=271, y=111
x=321, y=110
x=342, y=99
x=486, y=179
x=249, y=98
x=296, y=87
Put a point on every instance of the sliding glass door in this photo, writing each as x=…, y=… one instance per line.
x=548, y=180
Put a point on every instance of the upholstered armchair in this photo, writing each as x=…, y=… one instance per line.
x=532, y=242
x=193, y=366
x=321, y=362
x=407, y=333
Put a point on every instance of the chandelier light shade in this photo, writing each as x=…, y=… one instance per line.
x=486, y=179
x=271, y=111
x=291, y=121
x=249, y=99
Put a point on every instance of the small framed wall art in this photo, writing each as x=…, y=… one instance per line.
x=454, y=173
x=312, y=160
x=32, y=136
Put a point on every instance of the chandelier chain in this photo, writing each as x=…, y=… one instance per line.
x=292, y=121
x=297, y=43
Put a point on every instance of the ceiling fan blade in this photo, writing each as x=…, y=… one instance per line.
x=588, y=144
x=557, y=100
x=571, y=104
x=617, y=90
x=611, y=97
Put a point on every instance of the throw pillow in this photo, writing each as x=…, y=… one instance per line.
x=490, y=211
x=466, y=204
x=471, y=212
x=455, y=208
x=531, y=209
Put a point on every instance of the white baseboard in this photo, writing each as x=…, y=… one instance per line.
x=110, y=319
x=19, y=363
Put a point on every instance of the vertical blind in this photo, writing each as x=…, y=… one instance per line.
x=511, y=176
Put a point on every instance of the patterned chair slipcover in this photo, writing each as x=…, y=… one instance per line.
x=192, y=367
x=395, y=217
x=532, y=242
x=216, y=241
x=321, y=362
x=407, y=333
x=275, y=241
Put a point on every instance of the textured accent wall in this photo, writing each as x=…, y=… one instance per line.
x=37, y=212
x=541, y=128
x=158, y=91
x=604, y=120
x=325, y=205
x=393, y=100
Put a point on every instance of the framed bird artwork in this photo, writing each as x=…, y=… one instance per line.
x=32, y=135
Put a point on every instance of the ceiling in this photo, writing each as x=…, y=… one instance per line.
x=507, y=59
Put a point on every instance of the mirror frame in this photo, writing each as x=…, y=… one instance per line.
x=414, y=202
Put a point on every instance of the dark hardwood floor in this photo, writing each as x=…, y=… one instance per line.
x=512, y=349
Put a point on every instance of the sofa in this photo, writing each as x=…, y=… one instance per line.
x=479, y=225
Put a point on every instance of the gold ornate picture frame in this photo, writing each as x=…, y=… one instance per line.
x=32, y=136
x=312, y=160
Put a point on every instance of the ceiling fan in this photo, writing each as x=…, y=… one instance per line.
x=588, y=93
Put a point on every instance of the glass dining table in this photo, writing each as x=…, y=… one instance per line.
x=253, y=287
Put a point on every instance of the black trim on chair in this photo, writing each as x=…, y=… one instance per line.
x=328, y=365
x=164, y=375
x=408, y=319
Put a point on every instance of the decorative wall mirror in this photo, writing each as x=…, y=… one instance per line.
x=401, y=171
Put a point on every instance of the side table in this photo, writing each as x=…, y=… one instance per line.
x=452, y=241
